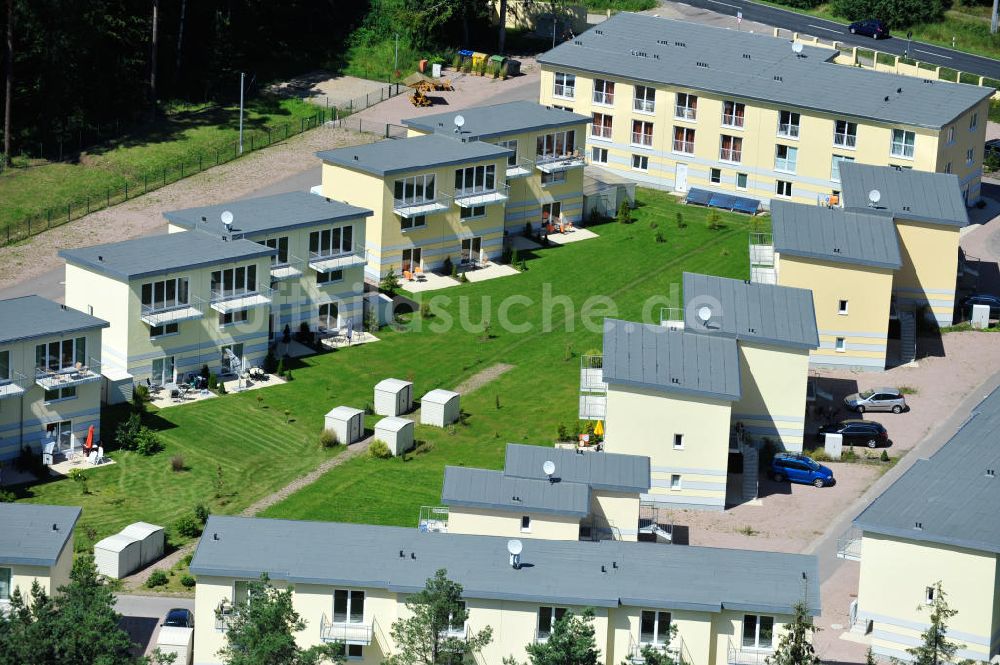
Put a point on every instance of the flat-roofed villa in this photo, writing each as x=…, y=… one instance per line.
x=545, y=167
x=176, y=302
x=682, y=106
x=317, y=273
x=37, y=546
x=50, y=376
x=433, y=198
x=351, y=582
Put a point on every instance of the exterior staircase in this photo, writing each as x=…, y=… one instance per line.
x=907, y=336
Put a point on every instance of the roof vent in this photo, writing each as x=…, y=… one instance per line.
x=413, y=555
x=663, y=42
x=836, y=250
x=402, y=554
x=990, y=473
x=918, y=526
x=746, y=56
x=681, y=44
x=204, y=219
x=355, y=158
x=578, y=42
x=62, y=307
x=887, y=98
x=215, y=536
x=906, y=208
x=614, y=564
x=673, y=380
x=515, y=498
x=702, y=64
x=752, y=331
x=778, y=78
x=604, y=568
x=899, y=91
x=598, y=32
x=100, y=258
x=928, y=81
x=656, y=56
x=55, y=527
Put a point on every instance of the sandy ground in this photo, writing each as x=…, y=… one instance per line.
x=837, y=594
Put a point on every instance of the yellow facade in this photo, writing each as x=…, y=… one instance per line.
x=444, y=234
x=862, y=330
x=49, y=578
x=703, y=637
x=930, y=265
x=772, y=403
x=619, y=511
x=647, y=422
x=892, y=594
x=486, y=522
x=756, y=171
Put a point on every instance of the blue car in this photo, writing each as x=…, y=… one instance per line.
x=797, y=468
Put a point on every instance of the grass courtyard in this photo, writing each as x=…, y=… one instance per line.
x=260, y=452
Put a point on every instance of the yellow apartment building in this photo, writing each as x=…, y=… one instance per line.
x=550, y=493
x=317, y=274
x=936, y=523
x=681, y=106
x=433, y=198
x=176, y=303
x=545, y=167
x=50, y=376
x=351, y=581
x=37, y=545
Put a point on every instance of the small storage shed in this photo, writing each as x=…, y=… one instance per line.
x=347, y=423
x=118, y=555
x=150, y=539
x=439, y=408
x=393, y=397
x=117, y=385
x=396, y=432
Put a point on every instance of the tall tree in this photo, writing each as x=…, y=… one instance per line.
x=427, y=637
x=935, y=647
x=260, y=631
x=9, y=83
x=572, y=642
x=180, y=41
x=154, y=40
x=502, y=40
x=795, y=646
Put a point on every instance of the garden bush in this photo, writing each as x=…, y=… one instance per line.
x=379, y=450
x=897, y=13
x=177, y=463
x=201, y=513
x=7, y=497
x=329, y=439
x=147, y=442
x=157, y=578
x=188, y=526
x=187, y=581
x=819, y=455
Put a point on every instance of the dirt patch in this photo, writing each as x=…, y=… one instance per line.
x=480, y=379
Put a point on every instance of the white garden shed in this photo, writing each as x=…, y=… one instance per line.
x=347, y=423
x=118, y=556
x=150, y=539
x=393, y=397
x=396, y=432
x=439, y=408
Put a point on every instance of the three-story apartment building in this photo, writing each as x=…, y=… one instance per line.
x=676, y=105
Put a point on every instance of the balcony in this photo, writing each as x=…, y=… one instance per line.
x=519, y=169
x=228, y=301
x=645, y=140
x=748, y=655
x=471, y=198
x=557, y=163
x=68, y=377
x=845, y=140
x=685, y=112
x=347, y=633
x=433, y=519
x=686, y=147
x=672, y=317
x=849, y=545
x=593, y=389
x=763, y=269
x=732, y=121
x=153, y=315
x=733, y=155
x=593, y=407
x=601, y=131
x=13, y=386
x=788, y=130
x=604, y=98
x=329, y=261
x=290, y=269
x=675, y=652
x=417, y=206
x=644, y=105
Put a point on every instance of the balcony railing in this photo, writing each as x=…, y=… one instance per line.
x=290, y=269
x=789, y=130
x=228, y=301
x=593, y=407
x=672, y=317
x=433, y=519
x=13, y=386
x=154, y=315
x=414, y=206
x=849, y=545
x=684, y=146
x=644, y=105
x=731, y=154
x=605, y=98
x=747, y=655
x=563, y=162
x=675, y=651
x=470, y=198
x=68, y=377
x=329, y=261
x=655, y=521
x=685, y=112
x=601, y=131
x=902, y=150
x=784, y=165
x=638, y=138
x=729, y=120
x=346, y=632
x=520, y=168
x=563, y=90
x=845, y=140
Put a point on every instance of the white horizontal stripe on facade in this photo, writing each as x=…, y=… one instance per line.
x=843, y=361
x=60, y=416
x=690, y=485
x=682, y=469
x=920, y=627
x=852, y=346
x=680, y=502
x=769, y=417
x=855, y=333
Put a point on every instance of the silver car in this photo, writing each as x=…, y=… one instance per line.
x=876, y=399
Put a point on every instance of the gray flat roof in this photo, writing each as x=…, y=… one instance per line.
x=30, y=317
x=834, y=234
x=906, y=193
x=659, y=358
x=497, y=120
x=949, y=495
x=601, y=471
x=28, y=537
x=266, y=214
x=156, y=255
x=483, y=488
x=736, y=64
x=765, y=313
x=559, y=572
x=417, y=152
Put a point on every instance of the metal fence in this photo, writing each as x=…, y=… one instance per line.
x=133, y=185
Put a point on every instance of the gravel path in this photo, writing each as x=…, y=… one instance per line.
x=480, y=379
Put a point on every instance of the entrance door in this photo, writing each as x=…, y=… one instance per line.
x=61, y=433
x=163, y=371
x=329, y=317
x=681, y=177
x=232, y=359
x=471, y=250
x=551, y=212
x=412, y=259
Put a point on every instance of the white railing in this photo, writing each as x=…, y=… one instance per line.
x=788, y=129
x=675, y=651
x=684, y=146
x=327, y=260
x=14, y=385
x=479, y=196
x=226, y=295
x=849, y=545
x=732, y=120
x=600, y=131
x=685, y=112
x=519, y=168
x=158, y=315
x=731, y=154
x=346, y=632
x=747, y=655
x=563, y=90
x=605, y=98
x=433, y=519
x=422, y=205
x=639, y=138
x=844, y=140
x=551, y=163
x=593, y=407
x=644, y=105
x=292, y=267
x=68, y=377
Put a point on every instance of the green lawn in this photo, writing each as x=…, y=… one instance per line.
x=260, y=453
x=186, y=139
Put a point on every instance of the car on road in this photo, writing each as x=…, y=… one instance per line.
x=857, y=433
x=876, y=399
x=982, y=299
x=179, y=617
x=798, y=468
x=873, y=27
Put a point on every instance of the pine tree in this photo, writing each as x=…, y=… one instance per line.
x=572, y=641
x=795, y=646
x=935, y=647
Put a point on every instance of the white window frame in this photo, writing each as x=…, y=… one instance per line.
x=348, y=611
x=329, y=277
x=676, y=482
x=554, y=178
x=835, y=166
x=547, y=146
x=686, y=106
x=929, y=594
x=478, y=179
x=5, y=370
x=848, y=138
x=661, y=633
x=974, y=121
x=746, y=181
x=758, y=620
x=151, y=301
x=970, y=156
x=642, y=138
x=715, y=175
x=553, y=614
x=730, y=118
x=783, y=188
x=603, y=131
x=158, y=378
x=842, y=307
x=951, y=134
x=164, y=330
x=280, y=244
x=599, y=155
x=418, y=186
x=233, y=318
x=510, y=145
x=789, y=162
x=602, y=95
x=788, y=124
x=684, y=145
x=678, y=441
x=643, y=162
x=644, y=99
x=410, y=223
x=472, y=212
x=5, y=585
x=840, y=345
x=564, y=85
x=733, y=154
x=55, y=363
x=525, y=523
x=242, y=280
x=551, y=211
x=899, y=148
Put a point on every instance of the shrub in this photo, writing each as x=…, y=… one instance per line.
x=187, y=581
x=128, y=430
x=140, y=396
x=201, y=513
x=504, y=72
x=456, y=62
x=898, y=13
x=157, y=578
x=7, y=497
x=389, y=283
x=819, y=455
x=221, y=388
x=280, y=370
x=425, y=310
x=453, y=272
x=270, y=363
x=379, y=450
x=884, y=457
x=464, y=279
x=328, y=439
x=188, y=526
x=213, y=381
x=680, y=220
x=515, y=255
x=907, y=390
x=659, y=238
x=624, y=213
x=177, y=463
x=29, y=462
x=561, y=433
x=714, y=221
x=653, y=225
x=147, y=442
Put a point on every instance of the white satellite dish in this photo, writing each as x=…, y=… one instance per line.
x=549, y=468
x=874, y=196
x=514, y=547
x=797, y=47
x=704, y=313
x=459, y=122
x=227, y=218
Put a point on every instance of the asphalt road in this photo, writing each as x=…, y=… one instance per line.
x=832, y=30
